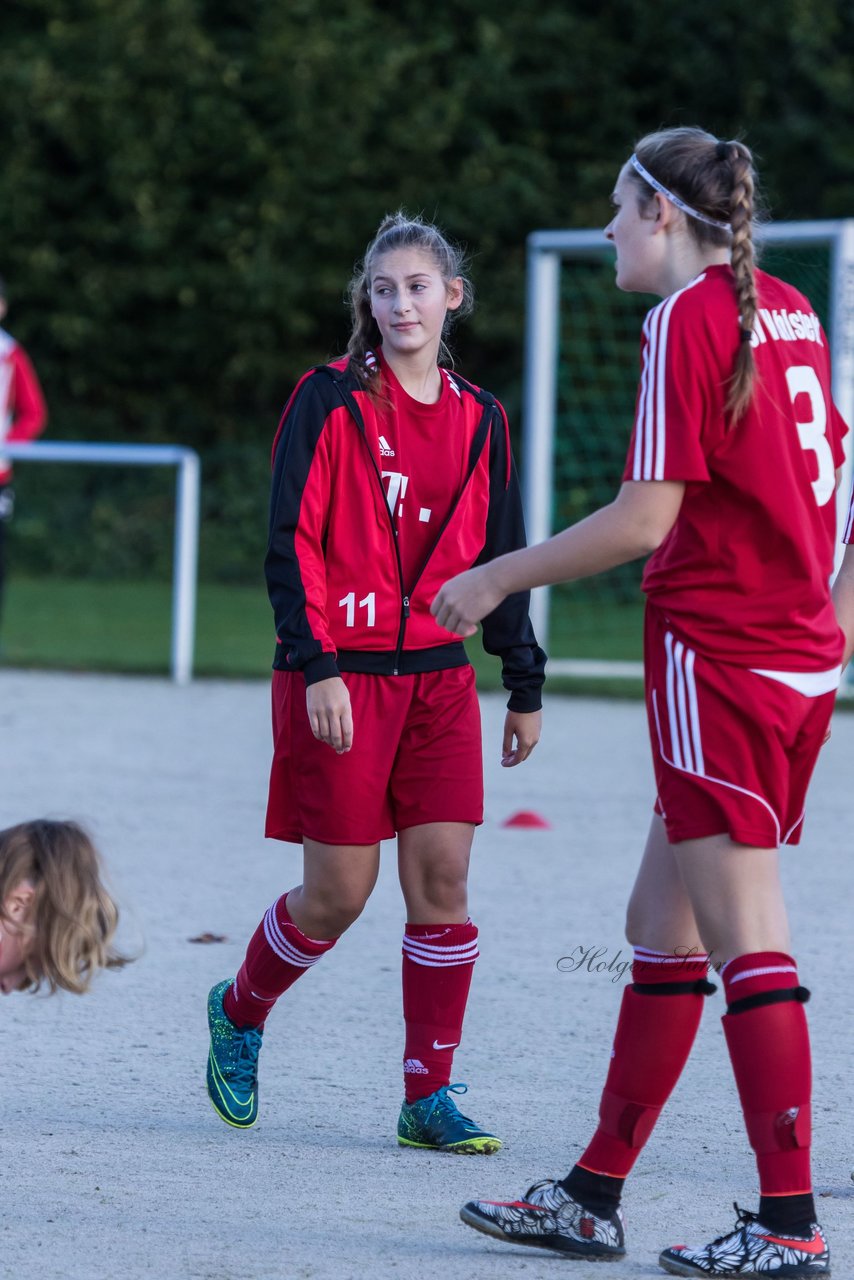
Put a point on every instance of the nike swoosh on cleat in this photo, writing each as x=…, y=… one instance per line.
x=516, y=1204
x=436, y=1045
x=816, y=1245
x=223, y=1088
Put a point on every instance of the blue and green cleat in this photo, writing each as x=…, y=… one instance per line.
x=435, y=1123
x=232, y=1064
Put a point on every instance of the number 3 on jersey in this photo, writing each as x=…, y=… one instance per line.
x=369, y=603
x=802, y=379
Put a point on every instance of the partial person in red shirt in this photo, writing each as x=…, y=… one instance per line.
x=390, y=472
x=729, y=482
x=23, y=415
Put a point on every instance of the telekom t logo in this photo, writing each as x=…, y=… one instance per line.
x=396, y=490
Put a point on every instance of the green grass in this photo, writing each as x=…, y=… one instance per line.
x=602, y=629
x=86, y=625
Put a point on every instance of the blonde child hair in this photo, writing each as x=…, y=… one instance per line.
x=71, y=918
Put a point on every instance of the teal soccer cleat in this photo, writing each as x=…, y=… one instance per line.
x=232, y=1064
x=435, y=1123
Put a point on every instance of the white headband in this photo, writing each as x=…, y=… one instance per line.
x=680, y=204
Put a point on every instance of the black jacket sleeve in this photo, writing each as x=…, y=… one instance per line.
x=507, y=631
x=296, y=576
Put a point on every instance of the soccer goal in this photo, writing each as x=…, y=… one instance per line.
x=581, y=365
x=185, y=559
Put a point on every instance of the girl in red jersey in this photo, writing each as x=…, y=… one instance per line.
x=729, y=482
x=390, y=472
x=23, y=415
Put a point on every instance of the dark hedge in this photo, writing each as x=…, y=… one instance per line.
x=186, y=184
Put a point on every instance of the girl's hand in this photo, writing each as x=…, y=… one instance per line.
x=329, y=714
x=525, y=727
x=464, y=600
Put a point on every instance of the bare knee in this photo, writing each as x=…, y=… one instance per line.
x=433, y=864
x=444, y=890
x=326, y=911
x=436, y=892
x=638, y=924
x=666, y=925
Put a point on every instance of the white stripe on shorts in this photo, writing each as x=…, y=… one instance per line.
x=684, y=723
x=812, y=684
x=682, y=711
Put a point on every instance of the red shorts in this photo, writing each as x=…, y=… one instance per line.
x=733, y=751
x=416, y=757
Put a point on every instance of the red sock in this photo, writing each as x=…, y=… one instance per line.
x=438, y=960
x=658, y=1021
x=278, y=954
x=769, y=1046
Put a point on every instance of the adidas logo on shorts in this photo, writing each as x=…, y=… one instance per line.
x=413, y=1066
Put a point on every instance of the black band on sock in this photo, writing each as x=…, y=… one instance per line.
x=699, y=987
x=598, y=1193
x=779, y=996
x=788, y=1215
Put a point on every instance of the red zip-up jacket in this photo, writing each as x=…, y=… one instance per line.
x=333, y=568
x=22, y=408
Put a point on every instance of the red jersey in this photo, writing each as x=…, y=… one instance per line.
x=22, y=408
x=744, y=573
x=412, y=436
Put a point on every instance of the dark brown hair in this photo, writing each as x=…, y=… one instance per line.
x=717, y=179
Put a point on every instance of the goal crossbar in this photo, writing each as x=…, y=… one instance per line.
x=185, y=558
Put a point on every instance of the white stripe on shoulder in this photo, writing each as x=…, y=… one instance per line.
x=651, y=419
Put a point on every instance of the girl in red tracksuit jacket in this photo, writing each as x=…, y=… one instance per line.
x=390, y=473
x=23, y=415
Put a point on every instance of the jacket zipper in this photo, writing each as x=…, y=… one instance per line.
x=473, y=461
x=404, y=597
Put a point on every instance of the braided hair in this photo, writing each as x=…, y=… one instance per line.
x=718, y=180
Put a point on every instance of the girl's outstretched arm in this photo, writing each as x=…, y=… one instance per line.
x=633, y=525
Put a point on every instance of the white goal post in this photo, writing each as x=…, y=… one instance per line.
x=546, y=253
x=185, y=560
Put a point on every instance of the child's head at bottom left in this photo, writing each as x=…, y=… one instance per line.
x=57, y=919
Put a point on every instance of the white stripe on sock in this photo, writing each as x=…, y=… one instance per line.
x=283, y=948
x=434, y=956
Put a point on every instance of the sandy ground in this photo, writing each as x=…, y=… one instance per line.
x=115, y=1166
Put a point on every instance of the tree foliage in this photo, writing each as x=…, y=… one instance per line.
x=186, y=184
